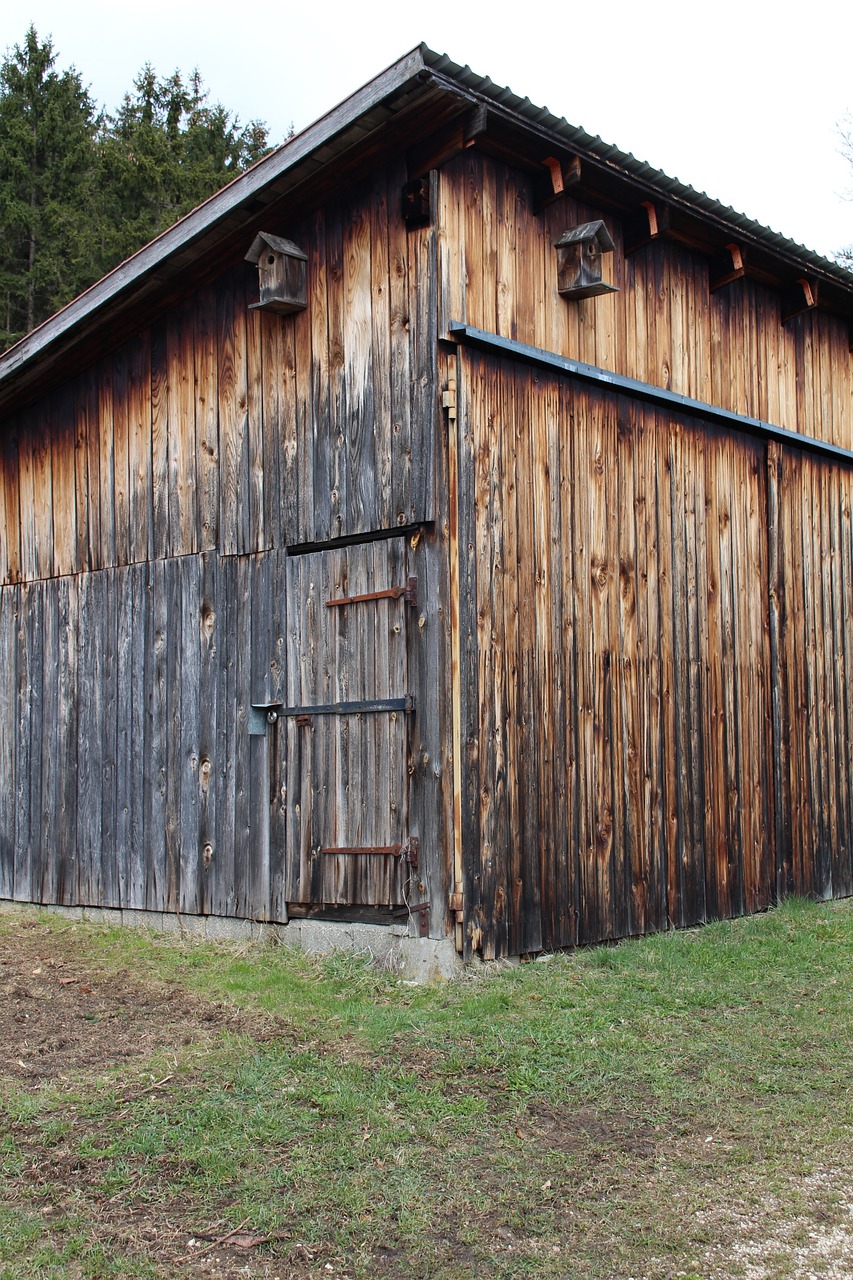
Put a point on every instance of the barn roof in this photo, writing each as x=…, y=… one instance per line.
x=426, y=105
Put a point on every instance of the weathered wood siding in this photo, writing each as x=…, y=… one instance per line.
x=621, y=670
x=130, y=778
x=145, y=513
x=222, y=427
x=498, y=272
x=127, y=771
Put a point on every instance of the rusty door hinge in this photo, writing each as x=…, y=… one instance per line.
x=448, y=399
x=409, y=593
x=391, y=850
x=409, y=852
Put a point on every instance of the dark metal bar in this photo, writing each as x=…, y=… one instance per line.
x=352, y=708
x=644, y=391
x=356, y=539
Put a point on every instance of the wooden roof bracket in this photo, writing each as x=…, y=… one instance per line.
x=650, y=223
x=727, y=266
x=559, y=176
x=801, y=297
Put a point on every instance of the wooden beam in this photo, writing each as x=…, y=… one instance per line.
x=799, y=298
x=727, y=266
x=651, y=222
x=559, y=175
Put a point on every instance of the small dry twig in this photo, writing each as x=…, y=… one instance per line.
x=158, y=1084
x=216, y=1243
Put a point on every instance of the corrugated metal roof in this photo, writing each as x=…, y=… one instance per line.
x=640, y=171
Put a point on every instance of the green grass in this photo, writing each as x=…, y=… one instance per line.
x=633, y=1110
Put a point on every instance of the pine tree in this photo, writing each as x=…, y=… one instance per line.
x=48, y=124
x=81, y=190
x=163, y=152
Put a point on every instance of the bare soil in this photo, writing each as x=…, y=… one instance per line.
x=62, y=1018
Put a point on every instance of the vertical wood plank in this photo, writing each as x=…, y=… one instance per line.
x=44, y=866
x=13, y=514
x=63, y=445
x=66, y=754
x=206, y=417
x=160, y=522
x=181, y=400
x=9, y=606
x=190, y=714
x=139, y=760
x=122, y=844
x=141, y=542
x=120, y=371
x=89, y=738
x=209, y=769
x=156, y=739
x=256, y=411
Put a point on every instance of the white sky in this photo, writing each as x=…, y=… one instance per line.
x=741, y=100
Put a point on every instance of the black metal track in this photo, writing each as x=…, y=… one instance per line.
x=644, y=391
x=351, y=708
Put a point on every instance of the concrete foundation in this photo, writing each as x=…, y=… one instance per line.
x=387, y=946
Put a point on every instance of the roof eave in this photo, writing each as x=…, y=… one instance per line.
x=238, y=195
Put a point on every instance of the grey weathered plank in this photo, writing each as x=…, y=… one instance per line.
x=156, y=737
x=89, y=737
x=277, y=842
x=190, y=677
x=106, y=881
x=9, y=606
x=125, y=622
x=139, y=761
x=222, y=867
x=174, y=703
x=241, y=901
x=30, y=668
x=211, y=657
x=44, y=855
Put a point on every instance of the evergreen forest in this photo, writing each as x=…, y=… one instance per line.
x=81, y=189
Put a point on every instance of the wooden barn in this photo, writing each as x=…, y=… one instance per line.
x=448, y=522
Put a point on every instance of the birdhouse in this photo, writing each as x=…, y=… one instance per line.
x=282, y=274
x=579, y=253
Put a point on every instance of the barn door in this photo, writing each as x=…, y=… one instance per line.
x=345, y=784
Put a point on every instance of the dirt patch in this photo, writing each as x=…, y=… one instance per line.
x=585, y=1130
x=64, y=1018
x=60, y=1016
